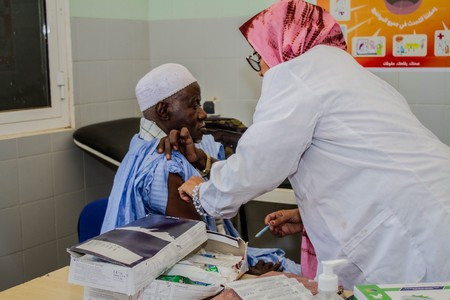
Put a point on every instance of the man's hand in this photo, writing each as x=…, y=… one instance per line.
x=284, y=222
x=262, y=267
x=180, y=140
x=188, y=186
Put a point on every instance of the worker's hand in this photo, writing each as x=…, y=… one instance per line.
x=284, y=222
x=188, y=186
x=262, y=267
x=180, y=140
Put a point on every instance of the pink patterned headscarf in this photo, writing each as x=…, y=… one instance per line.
x=289, y=28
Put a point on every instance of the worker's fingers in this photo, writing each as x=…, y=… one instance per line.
x=186, y=189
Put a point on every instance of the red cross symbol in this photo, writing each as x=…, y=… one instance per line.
x=440, y=35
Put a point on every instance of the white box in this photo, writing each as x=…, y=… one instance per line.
x=168, y=239
x=160, y=289
x=413, y=291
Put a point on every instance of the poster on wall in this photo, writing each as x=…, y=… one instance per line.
x=395, y=33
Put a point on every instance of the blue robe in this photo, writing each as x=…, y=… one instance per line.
x=141, y=187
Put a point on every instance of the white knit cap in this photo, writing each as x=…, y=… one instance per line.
x=162, y=82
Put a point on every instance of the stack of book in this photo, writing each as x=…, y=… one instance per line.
x=127, y=259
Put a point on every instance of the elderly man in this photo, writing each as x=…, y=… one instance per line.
x=146, y=182
x=169, y=97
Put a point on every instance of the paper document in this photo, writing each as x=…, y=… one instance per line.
x=114, y=251
x=272, y=287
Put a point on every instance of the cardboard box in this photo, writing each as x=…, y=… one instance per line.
x=127, y=259
x=414, y=291
x=160, y=289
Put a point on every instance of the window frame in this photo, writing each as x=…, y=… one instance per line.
x=60, y=115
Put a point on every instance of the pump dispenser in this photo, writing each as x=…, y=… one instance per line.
x=328, y=281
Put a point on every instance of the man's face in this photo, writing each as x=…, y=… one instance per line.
x=186, y=111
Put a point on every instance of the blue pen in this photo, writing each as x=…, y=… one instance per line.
x=262, y=231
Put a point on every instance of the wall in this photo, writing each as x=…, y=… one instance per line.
x=110, y=9
x=46, y=180
x=204, y=9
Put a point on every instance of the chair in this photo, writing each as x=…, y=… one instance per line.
x=91, y=219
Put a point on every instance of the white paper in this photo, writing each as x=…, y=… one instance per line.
x=224, y=239
x=111, y=250
x=274, y=287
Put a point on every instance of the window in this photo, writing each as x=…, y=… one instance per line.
x=35, y=66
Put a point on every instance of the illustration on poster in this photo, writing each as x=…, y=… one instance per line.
x=394, y=33
x=402, y=7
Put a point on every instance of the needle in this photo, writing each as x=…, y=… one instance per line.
x=262, y=231
x=259, y=234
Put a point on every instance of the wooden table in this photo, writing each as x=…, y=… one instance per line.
x=52, y=286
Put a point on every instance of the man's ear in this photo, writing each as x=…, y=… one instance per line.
x=162, y=110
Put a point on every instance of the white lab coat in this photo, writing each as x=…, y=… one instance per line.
x=372, y=183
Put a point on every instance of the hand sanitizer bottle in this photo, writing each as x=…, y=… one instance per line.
x=328, y=281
